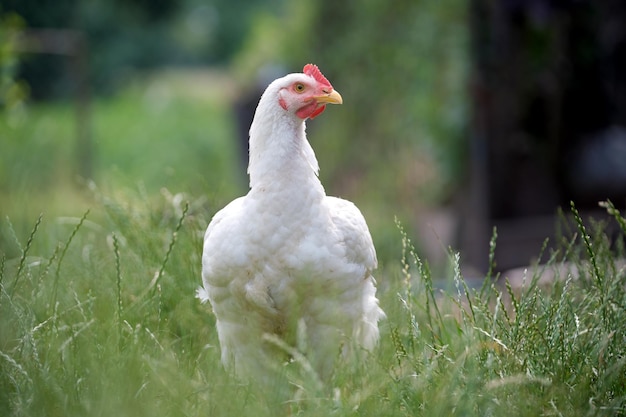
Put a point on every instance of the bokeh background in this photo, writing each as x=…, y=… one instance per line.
x=458, y=115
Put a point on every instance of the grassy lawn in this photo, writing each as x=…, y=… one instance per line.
x=97, y=307
x=171, y=130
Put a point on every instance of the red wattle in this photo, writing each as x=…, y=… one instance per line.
x=317, y=112
x=310, y=111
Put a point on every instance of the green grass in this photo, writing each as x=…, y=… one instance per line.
x=168, y=130
x=99, y=318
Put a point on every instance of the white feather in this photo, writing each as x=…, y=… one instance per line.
x=286, y=256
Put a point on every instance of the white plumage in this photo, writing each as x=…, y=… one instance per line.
x=286, y=259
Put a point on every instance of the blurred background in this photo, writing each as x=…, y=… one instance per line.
x=458, y=116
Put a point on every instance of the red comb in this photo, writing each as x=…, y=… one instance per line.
x=313, y=71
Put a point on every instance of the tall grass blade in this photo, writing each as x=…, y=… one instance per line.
x=170, y=247
x=490, y=279
x=118, y=284
x=22, y=262
x=597, y=276
x=57, y=274
x=13, y=233
x=407, y=285
x=611, y=210
x=152, y=286
x=588, y=246
x=2, y=265
x=492, y=254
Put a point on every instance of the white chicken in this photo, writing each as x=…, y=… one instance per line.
x=286, y=260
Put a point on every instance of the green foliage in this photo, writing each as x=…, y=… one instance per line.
x=170, y=131
x=128, y=36
x=101, y=320
x=36, y=147
x=12, y=91
x=403, y=69
x=190, y=148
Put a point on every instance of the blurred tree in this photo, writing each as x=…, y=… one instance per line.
x=126, y=36
x=401, y=68
x=404, y=64
x=234, y=19
x=39, y=71
x=12, y=90
x=149, y=10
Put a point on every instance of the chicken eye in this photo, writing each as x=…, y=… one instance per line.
x=299, y=88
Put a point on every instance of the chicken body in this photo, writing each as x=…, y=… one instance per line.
x=286, y=259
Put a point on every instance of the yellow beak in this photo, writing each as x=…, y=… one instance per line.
x=330, y=98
